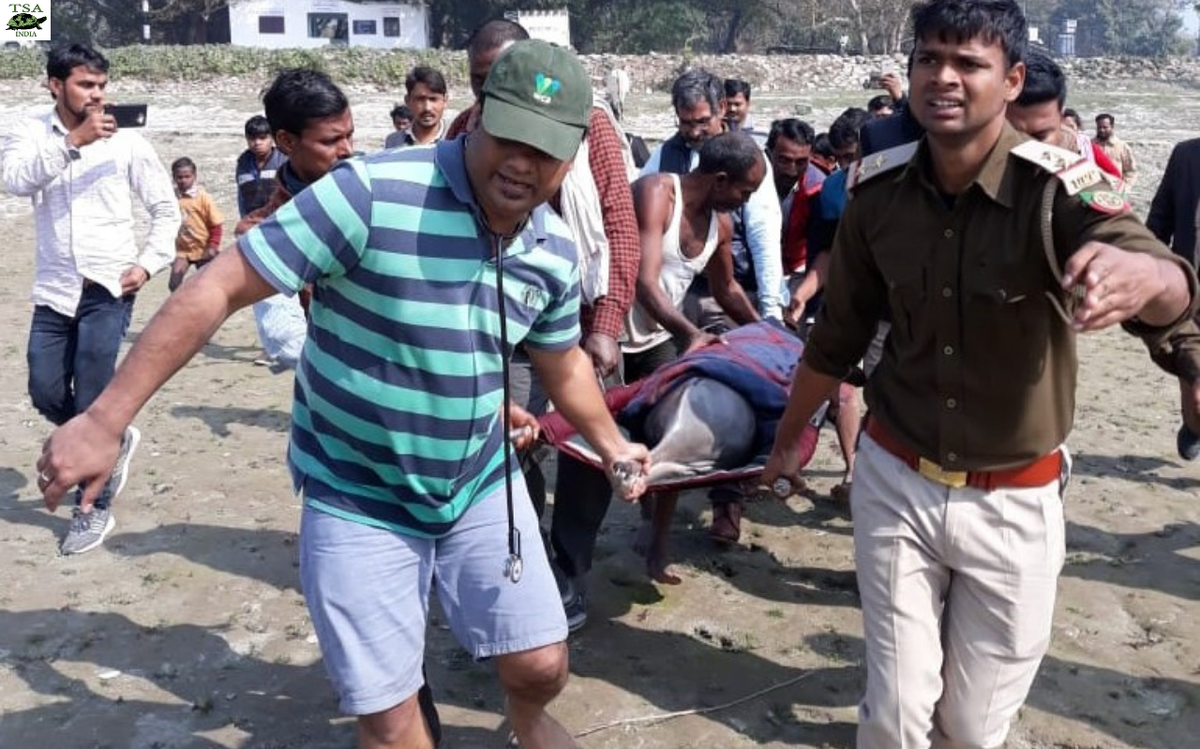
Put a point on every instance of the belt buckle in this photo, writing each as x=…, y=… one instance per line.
x=934, y=472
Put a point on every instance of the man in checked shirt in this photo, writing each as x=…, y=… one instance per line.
x=598, y=205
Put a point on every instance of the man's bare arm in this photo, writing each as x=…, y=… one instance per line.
x=570, y=383
x=84, y=449
x=725, y=289
x=653, y=208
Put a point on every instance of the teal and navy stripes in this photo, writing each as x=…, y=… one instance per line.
x=398, y=391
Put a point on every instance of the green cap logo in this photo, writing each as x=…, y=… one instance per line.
x=546, y=87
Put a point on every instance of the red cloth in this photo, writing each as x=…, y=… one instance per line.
x=1103, y=161
x=214, y=237
x=795, y=237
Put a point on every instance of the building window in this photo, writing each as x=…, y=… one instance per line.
x=270, y=24
x=391, y=26
x=364, y=28
x=332, y=26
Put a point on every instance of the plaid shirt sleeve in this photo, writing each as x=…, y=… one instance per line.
x=620, y=226
x=461, y=124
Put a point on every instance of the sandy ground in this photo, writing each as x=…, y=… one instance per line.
x=187, y=628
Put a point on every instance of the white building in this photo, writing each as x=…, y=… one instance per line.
x=317, y=23
x=552, y=26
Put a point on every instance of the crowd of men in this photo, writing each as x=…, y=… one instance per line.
x=435, y=297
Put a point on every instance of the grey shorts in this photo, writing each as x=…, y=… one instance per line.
x=368, y=588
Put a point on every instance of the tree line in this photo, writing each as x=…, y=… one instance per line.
x=1150, y=28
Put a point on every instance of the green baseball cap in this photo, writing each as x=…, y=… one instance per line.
x=538, y=94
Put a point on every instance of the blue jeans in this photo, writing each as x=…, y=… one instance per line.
x=72, y=359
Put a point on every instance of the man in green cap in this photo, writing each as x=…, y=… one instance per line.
x=428, y=265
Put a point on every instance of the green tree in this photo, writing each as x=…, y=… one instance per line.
x=1142, y=28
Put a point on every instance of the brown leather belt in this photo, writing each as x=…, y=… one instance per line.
x=1038, y=473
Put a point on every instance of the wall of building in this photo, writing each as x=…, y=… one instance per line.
x=281, y=24
x=552, y=26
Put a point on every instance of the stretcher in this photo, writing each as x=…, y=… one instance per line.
x=757, y=361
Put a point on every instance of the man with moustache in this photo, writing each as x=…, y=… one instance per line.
x=397, y=439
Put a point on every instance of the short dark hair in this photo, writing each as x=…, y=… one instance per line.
x=495, y=34
x=843, y=133
x=1106, y=116
x=883, y=101
x=433, y=79
x=183, y=162
x=823, y=147
x=962, y=20
x=735, y=86
x=734, y=153
x=1044, y=81
x=300, y=95
x=695, y=86
x=401, y=110
x=1070, y=113
x=64, y=58
x=793, y=129
x=256, y=126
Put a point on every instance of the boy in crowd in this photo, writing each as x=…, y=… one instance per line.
x=199, y=238
x=257, y=166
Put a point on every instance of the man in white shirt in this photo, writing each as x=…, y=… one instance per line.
x=81, y=174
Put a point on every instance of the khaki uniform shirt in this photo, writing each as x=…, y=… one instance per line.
x=979, y=371
x=1121, y=155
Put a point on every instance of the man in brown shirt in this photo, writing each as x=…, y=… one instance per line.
x=959, y=534
x=1116, y=149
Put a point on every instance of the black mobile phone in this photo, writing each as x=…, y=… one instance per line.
x=127, y=115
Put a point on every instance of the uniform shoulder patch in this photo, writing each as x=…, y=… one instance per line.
x=1105, y=201
x=876, y=164
x=1076, y=172
x=1051, y=158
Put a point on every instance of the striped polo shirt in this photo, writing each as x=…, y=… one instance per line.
x=396, y=420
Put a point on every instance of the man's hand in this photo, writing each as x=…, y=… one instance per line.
x=782, y=466
x=523, y=427
x=95, y=125
x=795, y=311
x=210, y=253
x=81, y=451
x=700, y=339
x=627, y=469
x=1116, y=284
x=891, y=83
x=605, y=353
x=133, y=279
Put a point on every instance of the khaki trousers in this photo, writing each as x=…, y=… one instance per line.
x=958, y=590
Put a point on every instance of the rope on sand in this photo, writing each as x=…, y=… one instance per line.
x=658, y=718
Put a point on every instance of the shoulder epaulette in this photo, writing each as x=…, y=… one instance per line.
x=1076, y=172
x=876, y=164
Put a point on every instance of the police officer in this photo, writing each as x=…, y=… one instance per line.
x=957, y=511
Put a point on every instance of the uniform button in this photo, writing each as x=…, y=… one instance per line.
x=951, y=403
x=947, y=292
x=948, y=351
x=952, y=457
x=948, y=233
